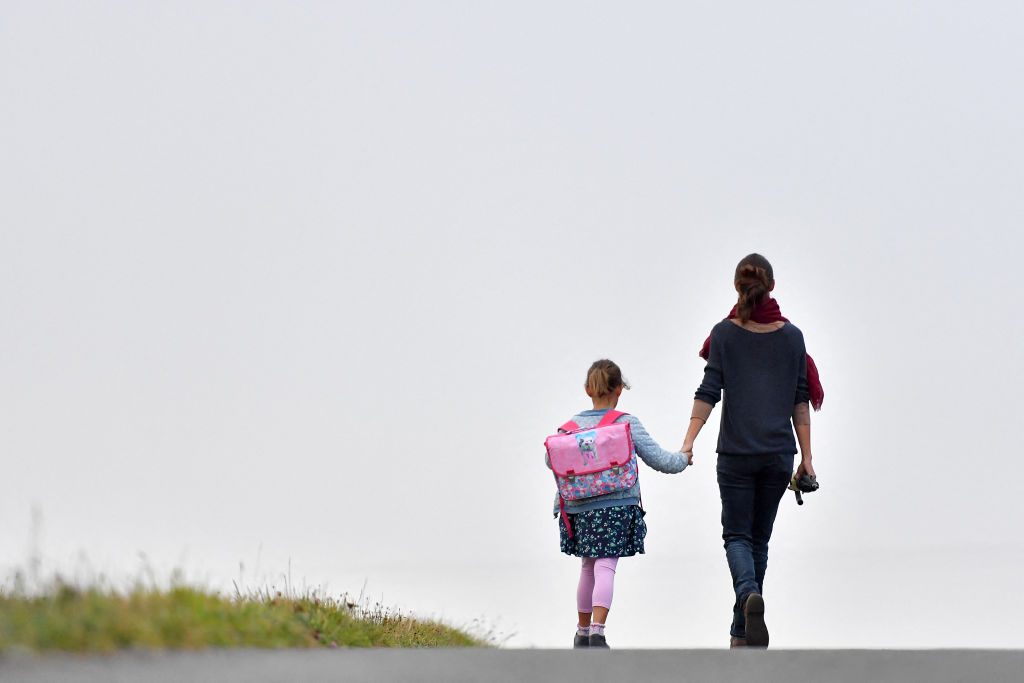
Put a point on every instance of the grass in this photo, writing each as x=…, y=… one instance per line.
x=67, y=618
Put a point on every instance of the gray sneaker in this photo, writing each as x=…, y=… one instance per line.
x=753, y=612
x=580, y=641
x=597, y=640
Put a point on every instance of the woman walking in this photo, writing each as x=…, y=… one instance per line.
x=757, y=358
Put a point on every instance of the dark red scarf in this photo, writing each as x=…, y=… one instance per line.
x=768, y=312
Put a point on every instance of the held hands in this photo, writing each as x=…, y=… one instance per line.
x=687, y=450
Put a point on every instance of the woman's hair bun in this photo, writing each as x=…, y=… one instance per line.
x=754, y=279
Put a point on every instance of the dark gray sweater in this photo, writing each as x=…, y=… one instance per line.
x=763, y=375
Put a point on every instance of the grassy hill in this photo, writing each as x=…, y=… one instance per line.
x=74, y=619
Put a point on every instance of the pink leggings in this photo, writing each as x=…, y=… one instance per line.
x=597, y=583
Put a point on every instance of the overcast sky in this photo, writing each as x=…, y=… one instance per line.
x=303, y=287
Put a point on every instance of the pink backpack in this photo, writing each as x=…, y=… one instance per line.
x=592, y=461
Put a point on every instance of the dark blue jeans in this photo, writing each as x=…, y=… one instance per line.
x=751, y=488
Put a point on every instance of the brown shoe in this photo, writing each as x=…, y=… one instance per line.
x=753, y=613
x=737, y=642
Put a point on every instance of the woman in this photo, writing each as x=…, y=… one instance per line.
x=758, y=358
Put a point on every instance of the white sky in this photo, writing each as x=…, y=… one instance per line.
x=307, y=284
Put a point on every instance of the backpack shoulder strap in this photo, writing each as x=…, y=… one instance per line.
x=610, y=417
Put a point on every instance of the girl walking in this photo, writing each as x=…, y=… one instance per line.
x=601, y=529
x=757, y=358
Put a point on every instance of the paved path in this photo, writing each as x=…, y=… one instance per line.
x=499, y=666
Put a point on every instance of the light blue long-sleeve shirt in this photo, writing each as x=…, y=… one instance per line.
x=646, y=448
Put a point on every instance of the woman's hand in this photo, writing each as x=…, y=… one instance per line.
x=803, y=436
x=698, y=417
x=805, y=467
x=687, y=450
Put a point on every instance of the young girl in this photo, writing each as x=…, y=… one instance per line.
x=607, y=527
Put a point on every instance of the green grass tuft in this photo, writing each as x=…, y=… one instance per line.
x=73, y=619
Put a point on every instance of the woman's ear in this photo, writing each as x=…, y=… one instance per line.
x=771, y=287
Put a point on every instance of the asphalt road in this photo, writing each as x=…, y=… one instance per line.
x=498, y=666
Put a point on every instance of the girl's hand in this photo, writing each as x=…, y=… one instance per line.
x=687, y=450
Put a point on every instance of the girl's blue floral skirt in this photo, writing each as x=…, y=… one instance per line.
x=605, y=532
